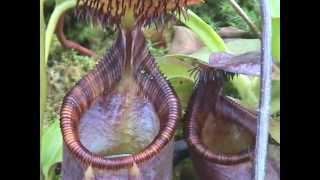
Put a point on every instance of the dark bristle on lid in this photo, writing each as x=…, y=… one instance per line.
x=146, y=12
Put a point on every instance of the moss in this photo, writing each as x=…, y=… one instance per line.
x=65, y=68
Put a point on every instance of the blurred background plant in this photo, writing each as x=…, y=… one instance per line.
x=212, y=26
x=220, y=13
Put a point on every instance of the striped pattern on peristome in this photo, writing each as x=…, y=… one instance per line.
x=102, y=80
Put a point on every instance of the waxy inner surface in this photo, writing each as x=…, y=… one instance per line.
x=222, y=136
x=122, y=122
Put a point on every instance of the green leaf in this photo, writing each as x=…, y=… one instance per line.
x=240, y=46
x=51, y=147
x=202, y=54
x=275, y=8
x=184, y=89
x=245, y=86
x=275, y=13
x=275, y=101
x=174, y=68
x=276, y=39
x=275, y=129
x=177, y=73
x=206, y=34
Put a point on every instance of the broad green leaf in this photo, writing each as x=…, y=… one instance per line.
x=276, y=39
x=206, y=34
x=51, y=147
x=275, y=13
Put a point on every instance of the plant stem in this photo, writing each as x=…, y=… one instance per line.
x=68, y=43
x=240, y=11
x=43, y=72
x=58, y=11
x=43, y=75
x=265, y=93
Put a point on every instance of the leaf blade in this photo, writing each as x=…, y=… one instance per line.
x=51, y=147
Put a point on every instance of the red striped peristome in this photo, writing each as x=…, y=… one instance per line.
x=129, y=52
x=110, y=12
x=208, y=99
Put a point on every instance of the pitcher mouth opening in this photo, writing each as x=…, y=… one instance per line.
x=103, y=79
x=195, y=138
x=71, y=113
